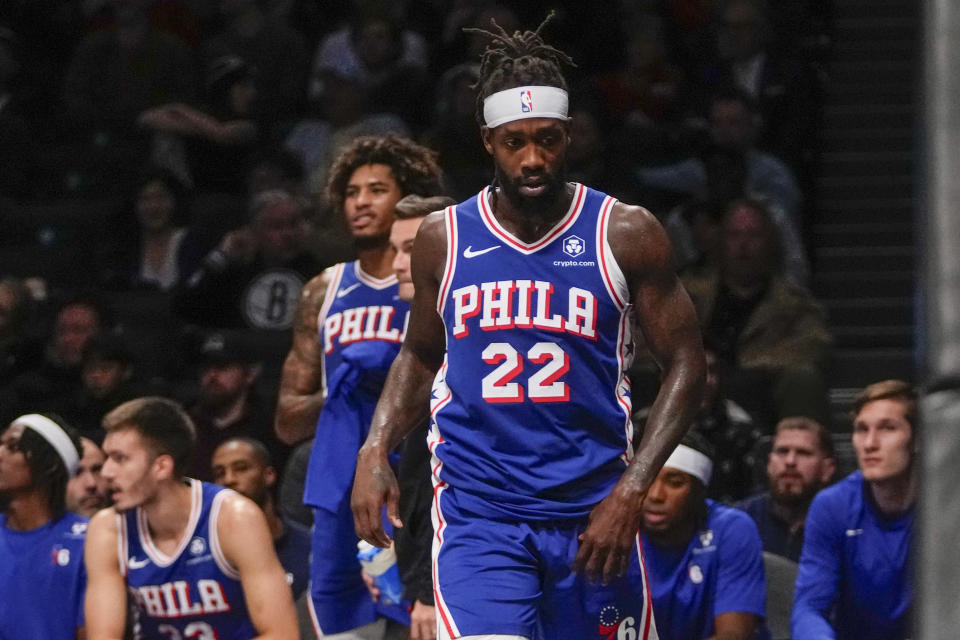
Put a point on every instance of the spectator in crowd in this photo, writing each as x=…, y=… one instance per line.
x=41, y=544
x=87, y=490
x=733, y=123
x=19, y=350
x=57, y=374
x=855, y=576
x=118, y=73
x=336, y=368
x=704, y=561
x=729, y=429
x=228, y=404
x=389, y=61
x=160, y=250
x=244, y=465
x=782, y=87
x=211, y=148
x=454, y=133
x=254, y=276
x=107, y=377
x=229, y=584
x=276, y=51
x=759, y=323
x=801, y=463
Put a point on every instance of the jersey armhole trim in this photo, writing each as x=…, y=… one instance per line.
x=613, y=278
x=218, y=557
x=450, y=266
x=122, y=543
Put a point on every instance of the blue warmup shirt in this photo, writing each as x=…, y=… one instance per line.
x=531, y=409
x=720, y=571
x=293, y=551
x=42, y=580
x=854, y=578
x=194, y=593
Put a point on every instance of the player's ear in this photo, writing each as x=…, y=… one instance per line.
x=269, y=476
x=163, y=466
x=486, y=134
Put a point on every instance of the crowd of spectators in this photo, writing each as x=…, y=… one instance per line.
x=162, y=203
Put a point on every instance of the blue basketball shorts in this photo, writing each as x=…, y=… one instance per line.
x=501, y=577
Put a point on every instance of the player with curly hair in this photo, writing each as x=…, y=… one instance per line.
x=347, y=332
x=519, y=340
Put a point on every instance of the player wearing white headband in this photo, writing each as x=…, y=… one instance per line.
x=42, y=578
x=704, y=560
x=532, y=286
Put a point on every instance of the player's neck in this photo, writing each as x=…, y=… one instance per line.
x=376, y=261
x=169, y=513
x=527, y=223
x=896, y=496
x=27, y=510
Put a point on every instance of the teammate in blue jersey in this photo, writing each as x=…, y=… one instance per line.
x=348, y=330
x=520, y=336
x=196, y=559
x=42, y=579
x=704, y=560
x=854, y=577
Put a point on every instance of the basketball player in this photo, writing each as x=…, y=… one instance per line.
x=348, y=330
x=196, y=558
x=41, y=544
x=521, y=325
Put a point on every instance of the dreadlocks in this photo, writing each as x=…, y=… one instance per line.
x=517, y=60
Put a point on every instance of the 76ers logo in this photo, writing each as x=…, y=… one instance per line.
x=526, y=101
x=611, y=627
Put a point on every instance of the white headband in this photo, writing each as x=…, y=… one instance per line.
x=53, y=434
x=691, y=461
x=524, y=102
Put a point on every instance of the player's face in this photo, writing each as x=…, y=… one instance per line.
x=797, y=468
x=667, y=509
x=87, y=490
x=402, y=234
x=236, y=466
x=369, y=201
x=130, y=470
x=530, y=156
x=883, y=440
x=14, y=471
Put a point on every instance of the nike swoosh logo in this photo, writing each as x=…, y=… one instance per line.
x=133, y=563
x=343, y=292
x=470, y=253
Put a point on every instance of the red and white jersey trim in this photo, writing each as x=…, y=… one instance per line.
x=336, y=276
x=122, y=543
x=157, y=556
x=214, y=537
x=494, y=226
x=370, y=281
x=450, y=224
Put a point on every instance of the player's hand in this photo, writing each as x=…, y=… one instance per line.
x=608, y=542
x=423, y=622
x=374, y=485
x=371, y=585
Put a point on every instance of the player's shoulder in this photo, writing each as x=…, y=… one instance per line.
x=235, y=511
x=102, y=524
x=731, y=521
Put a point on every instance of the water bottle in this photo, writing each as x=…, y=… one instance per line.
x=381, y=564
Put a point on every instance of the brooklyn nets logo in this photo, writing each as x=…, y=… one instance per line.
x=270, y=300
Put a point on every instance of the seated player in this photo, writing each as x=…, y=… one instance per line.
x=197, y=559
x=854, y=577
x=41, y=544
x=704, y=560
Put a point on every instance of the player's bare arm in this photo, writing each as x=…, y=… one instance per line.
x=734, y=625
x=301, y=396
x=406, y=395
x=668, y=321
x=247, y=545
x=105, y=603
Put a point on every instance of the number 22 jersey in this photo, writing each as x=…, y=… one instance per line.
x=531, y=408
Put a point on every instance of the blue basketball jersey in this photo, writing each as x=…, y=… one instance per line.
x=42, y=580
x=531, y=408
x=194, y=593
x=361, y=325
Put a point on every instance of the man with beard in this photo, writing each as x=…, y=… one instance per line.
x=348, y=330
x=521, y=325
x=704, y=559
x=196, y=559
x=87, y=490
x=801, y=463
